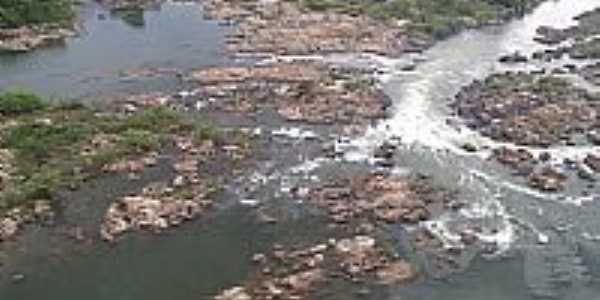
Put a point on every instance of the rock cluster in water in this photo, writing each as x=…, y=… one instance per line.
x=283, y=27
x=390, y=199
x=366, y=202
x=297, y=92
x=584, y=35
x=161, y=206
x=297, y=274
x=27, y=38
x=591, y=73
x=526, y=109
x=13, y=221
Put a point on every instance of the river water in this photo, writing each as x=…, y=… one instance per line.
x=174, y=36
x=547, y=246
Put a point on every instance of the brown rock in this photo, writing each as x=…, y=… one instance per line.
x=396, y=272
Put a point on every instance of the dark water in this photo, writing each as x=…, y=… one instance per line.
x=539, y=258
x=194, y=263
x=173, y=36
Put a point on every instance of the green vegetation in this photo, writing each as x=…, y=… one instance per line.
x=56, y=147
x=15, y=13
x=438, y=18
x=19, y=102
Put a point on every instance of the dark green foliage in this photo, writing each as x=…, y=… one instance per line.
x=35, y=142
x=155, y=120
x=15, y=13
x=19, y=102
x=139, y=140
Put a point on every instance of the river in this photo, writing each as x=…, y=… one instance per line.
x=547, y=246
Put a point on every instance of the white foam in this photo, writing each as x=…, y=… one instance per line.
x=250, y=202
x=295, y=133
x=308, y=166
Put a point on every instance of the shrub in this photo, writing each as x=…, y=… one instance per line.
x=20, y=102
x=16, y=13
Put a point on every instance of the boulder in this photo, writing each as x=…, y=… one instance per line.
x=396, y=273
x=234, y=293
x=548, y=180
x=8, y=228
x=592, y=161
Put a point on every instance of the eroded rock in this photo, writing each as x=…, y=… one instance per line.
x=265, y=27
x=526, y=109
x=390, y=199
x=8, y=228
x=548, y=180
x=296, y=274
x=25, y=39
x=307, y=92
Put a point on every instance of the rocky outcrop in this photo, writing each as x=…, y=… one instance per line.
x=396, y=273
x=525, y=109
x=593, y=161
x=266, y=27
x=234, y=293
x=12, y=221
x=146, y=212
x=389, y=199
x=296, y=274
x=513, y=58
x=9, y=227
x=307, y=92
x=550, y=36
x=359, y=258
x=583, y=37
x=161, y=206
x=519, y=160
x=25, y=39
x=548, y=180
x=591, y=73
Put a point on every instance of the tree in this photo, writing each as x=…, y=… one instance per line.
x=15, y=13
